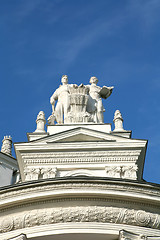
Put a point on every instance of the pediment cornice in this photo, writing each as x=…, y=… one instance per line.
x=81, y=134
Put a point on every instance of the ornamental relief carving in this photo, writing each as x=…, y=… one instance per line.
x=88, y=157
x=39, y=173
x=80, y=214
x=128, y=172
x=113, y=171
x=6, y=224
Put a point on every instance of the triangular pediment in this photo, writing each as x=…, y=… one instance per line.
x=81, y=134
x=80, y=145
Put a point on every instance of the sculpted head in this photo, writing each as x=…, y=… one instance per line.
x=93, y=80
x=64, y=79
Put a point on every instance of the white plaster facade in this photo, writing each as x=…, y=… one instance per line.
x=8, y=170
x=73, y=150
x=80, y=180
x=48, y=209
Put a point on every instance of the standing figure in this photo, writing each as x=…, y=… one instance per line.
x=96, y=93
x=62, y=106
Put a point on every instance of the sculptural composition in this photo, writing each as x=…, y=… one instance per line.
x=78, y=104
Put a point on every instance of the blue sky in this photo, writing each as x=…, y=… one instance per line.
x=116, y=41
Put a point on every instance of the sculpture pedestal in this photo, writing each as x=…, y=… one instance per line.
x=53, y=129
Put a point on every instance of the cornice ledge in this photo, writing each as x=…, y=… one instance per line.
x=126, y=191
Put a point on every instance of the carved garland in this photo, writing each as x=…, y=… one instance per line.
x=80, y=214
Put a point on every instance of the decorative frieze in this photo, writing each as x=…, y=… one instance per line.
x=128, y=171
x=81, y=157
x=124, y=163
x=79, y=214
x=6, y=224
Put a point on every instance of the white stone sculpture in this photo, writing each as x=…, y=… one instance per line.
x=41, y=121
x=96, y=94
x=7, y=145
x=78, y=104
x=78, y=99
x=61, y=95
x=118, y=121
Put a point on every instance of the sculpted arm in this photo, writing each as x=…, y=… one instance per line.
x=53, y=99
